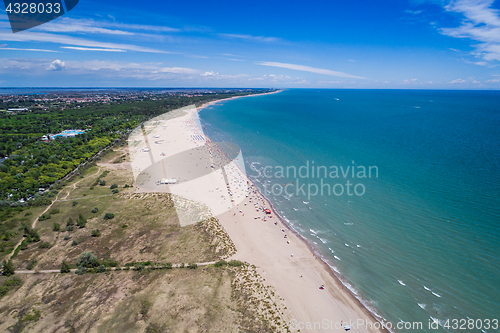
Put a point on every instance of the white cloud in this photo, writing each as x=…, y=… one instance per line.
x=2, y=47
x=493, y=80
x=209, y=74
x=29, y=36
x=481, y=23
x=68, y=25
x=56, y=65
x=91, y=49
x=254, y=38
x=308, y=69
x=457, y=81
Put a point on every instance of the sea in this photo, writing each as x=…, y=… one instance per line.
x=398, y=190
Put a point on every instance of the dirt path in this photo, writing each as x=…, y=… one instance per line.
x=33, y=225
x=112, y=268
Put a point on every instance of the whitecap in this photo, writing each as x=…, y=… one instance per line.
x=401, y=283
x=337, y=258
x=346, y=244
x=358, y=245
x=426, y=288
x=436, y=294
x=422, y=305
x=314, y=232
x=305, y=202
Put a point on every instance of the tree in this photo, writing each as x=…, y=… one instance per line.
x=65, y=267
x=87, y=260
x=56, y=227
x=82, y=221
x=96, y=233
x=8, y=268
x=109, y=216
x=95, y=210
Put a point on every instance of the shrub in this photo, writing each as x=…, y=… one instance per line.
x=70, y=222
x=113, y=186
x=82, y=221
x=80, y=270
x=109, y=216
x=101, y=269
x=126, y=186
x=124, y=226
x=192, y=265
x=109, y=263
x=95, y=210
x=65, y=267
x=24, y=244
x=235, y=263
x=28, y=214
x=168, y=265
x=3, y=291
x=75, y=203
x=74, y=243
x=45, y=245
x=56, y=227
x=115, y=191
x=220, y=263
x=8, y=268
x=88, y=260
x=70, y=228
x=102, y=182
x=31, y=234
x=14, y=281
x=32, y=264
x=54, y=211
x=67, y=237
x=182, y=265
x=96, y=233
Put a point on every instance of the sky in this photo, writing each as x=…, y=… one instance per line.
x=403, y=44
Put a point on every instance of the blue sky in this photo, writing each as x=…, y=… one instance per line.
x=405, y=44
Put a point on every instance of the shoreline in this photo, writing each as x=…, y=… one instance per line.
x=314, y=251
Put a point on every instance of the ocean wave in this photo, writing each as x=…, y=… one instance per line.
x=337, y=258
x=401, y=283
x=314, y=232
x=436, y=294
x=422, y=305
x=427, y=288
x=346, y=244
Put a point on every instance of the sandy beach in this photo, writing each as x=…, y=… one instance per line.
x=209, y=181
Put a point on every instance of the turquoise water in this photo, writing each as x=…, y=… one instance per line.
x=423, y=240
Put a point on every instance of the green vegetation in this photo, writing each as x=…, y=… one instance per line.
x=96, y=233
x=82, y=221
x=95, y=210
x=56, y=227
x=75, y=203
x=32, y=264
x=8, y=268
x=44, y=217
x=10, y=284
x=87, y=260
x=65, y=267
x=109, y=216
x=45, y=245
